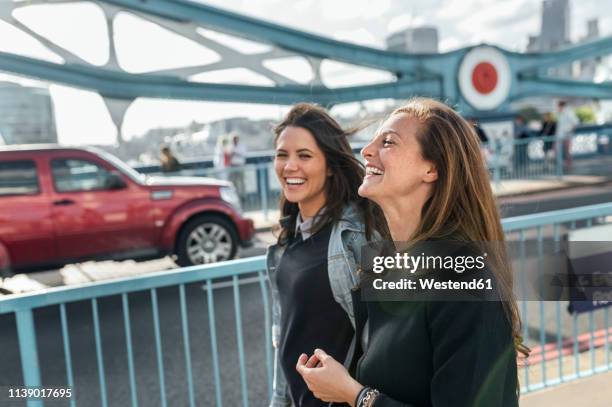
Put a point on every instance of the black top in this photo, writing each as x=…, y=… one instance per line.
x=548, y=128
x=310, y=316
x=436, y=353
x=172, y=164
x=481, y=134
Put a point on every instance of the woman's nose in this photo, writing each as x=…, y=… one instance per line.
x=367, y=150
x=291, y=165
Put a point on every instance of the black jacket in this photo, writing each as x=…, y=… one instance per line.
x=435, y=353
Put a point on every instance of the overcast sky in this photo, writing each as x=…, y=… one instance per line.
x=143, y=47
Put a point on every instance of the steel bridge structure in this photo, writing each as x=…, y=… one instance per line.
x=476, y=79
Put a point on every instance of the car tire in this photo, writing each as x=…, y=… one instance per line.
x=206, y=239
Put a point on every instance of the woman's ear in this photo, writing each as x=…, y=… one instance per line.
x=431, y=174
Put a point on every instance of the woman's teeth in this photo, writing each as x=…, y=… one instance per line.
x=374, y=171
x=295, y=181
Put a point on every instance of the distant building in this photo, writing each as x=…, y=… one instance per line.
x=419, y=40
x=555, y=32
x=26, y=115
x=588, y=67
x=554, y=28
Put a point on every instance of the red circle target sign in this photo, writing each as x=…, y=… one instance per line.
x=484, y=77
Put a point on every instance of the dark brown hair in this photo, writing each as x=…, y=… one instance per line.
x=347, y=173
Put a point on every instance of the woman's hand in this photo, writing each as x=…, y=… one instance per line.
x=327, y=379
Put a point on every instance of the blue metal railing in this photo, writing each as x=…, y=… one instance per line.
x=565, y=339
x=544, y=157
x=538, y=331
x=24, y=306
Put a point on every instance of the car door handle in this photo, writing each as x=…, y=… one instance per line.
x=63, y=202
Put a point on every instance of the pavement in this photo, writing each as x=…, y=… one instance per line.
x=593, y=391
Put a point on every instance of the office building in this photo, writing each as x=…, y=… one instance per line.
x=26, y=115
x=419, y=40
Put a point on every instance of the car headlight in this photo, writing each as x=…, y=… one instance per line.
x=229, y=195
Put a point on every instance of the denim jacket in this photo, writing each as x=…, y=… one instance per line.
x=343, y=259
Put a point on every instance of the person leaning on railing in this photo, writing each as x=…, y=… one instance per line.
x=425, y=171
x=548, y=130
x=313, y=266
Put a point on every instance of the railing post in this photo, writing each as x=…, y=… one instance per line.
x=26, y=333
x=262, y=176
x=496, y=163
x=559, y=156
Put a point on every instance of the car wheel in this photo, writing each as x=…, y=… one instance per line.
x=207, y=239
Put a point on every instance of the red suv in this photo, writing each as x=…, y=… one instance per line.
x=60, y=205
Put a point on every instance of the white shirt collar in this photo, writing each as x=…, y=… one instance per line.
x=304, y=226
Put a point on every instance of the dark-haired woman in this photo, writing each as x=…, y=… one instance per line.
x=425, y=171
x=312, y=268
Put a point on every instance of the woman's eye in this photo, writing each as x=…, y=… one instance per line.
x=387, y=142
x=281, y=155
x=304, y=156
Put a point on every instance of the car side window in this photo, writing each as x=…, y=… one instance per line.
x=78, y=175
x=18, y=178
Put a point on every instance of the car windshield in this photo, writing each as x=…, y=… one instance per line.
x=123, y=167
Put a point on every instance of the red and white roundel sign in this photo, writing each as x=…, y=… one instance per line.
x=484, y=78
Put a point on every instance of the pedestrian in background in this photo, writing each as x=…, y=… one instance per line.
x=548, y=130
x=485, y=147
x=222, y=157
x=169, y=163
x=482, y=136
x=237, y=162
x=566, y=124
x=521, y=144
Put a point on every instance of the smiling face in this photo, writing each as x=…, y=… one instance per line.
x=301, y=169
x=395, y=167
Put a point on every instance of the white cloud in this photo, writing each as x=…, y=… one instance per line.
x=452, y=11
x=144, y=46
x=23, y=44
x=87, y=26
x=399, y=23
x=81, y=117
x=354, y=9
x=449, y=44
x=145, y=114
x=359, y=36
x=489, y=17
x=338, y=74
x=240, y=76
x=506, y=23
